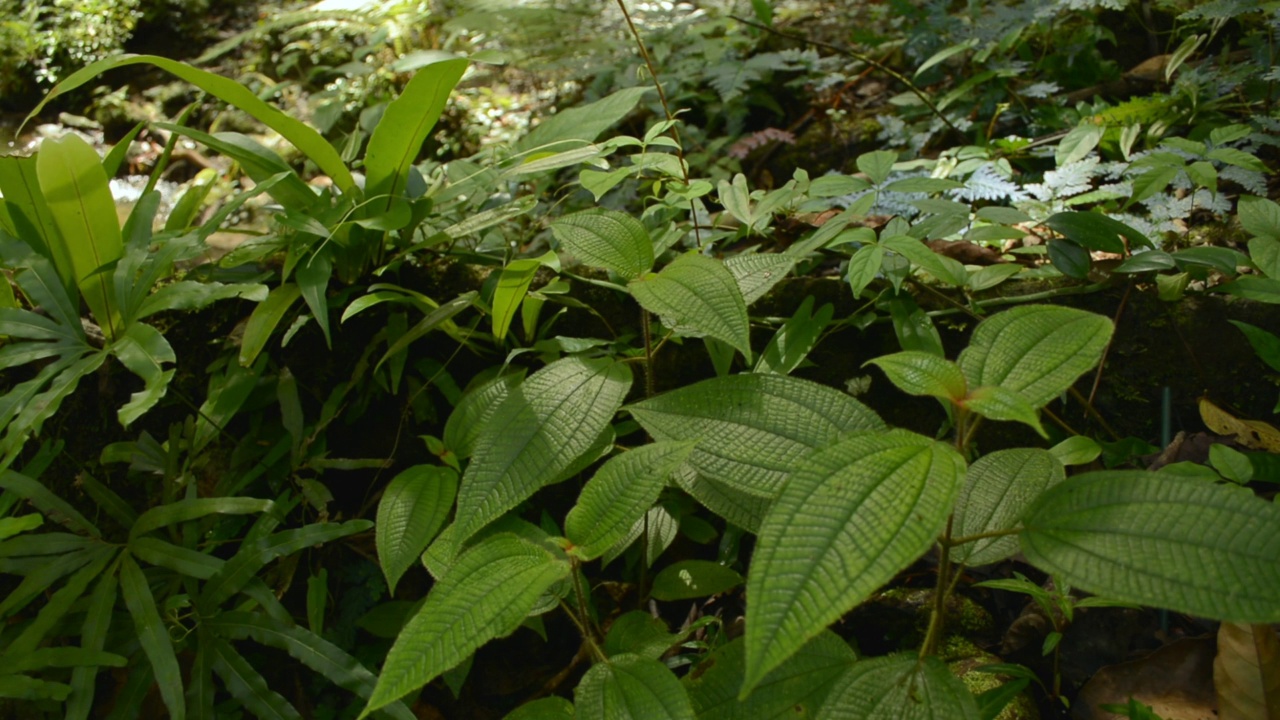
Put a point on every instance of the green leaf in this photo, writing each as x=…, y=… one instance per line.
x=264, y=319
x=1230, y=463
x=1265, y=253
x=1037, y=351
x=1078, y=143
x=44, y=500
x=1253, y=287
x=752, y=428
x=877, y=165
x=582, y=124
x=697, y=296
x=689, y=579
x=302, y=136
x=1151, y=260
x=757, y=273
x=548, y=708
x=152, y=635
x=629, y=687
x=93, y=636
x=262, y=165
x=864, y=266
x=639, y=633
x=998, y=403
x=145, y=351
x=312, y=276
x=486, y=594
x=536, y=434
x=620, y=493
x=998, y=488
x=1239, y=158
x=306, y=647
x=1096, y=231
x=940, y=266
x=794, y=690
x=21, y=687
x=1151, y=182
x=255, y=554
x=992, y=275
x=412, y=510
x=63, y=657
x=185, y=510
x=248, y=686
x=474, y=410
x=1259, y=216
x=1161, y=540
x=31, y=219
x=606, y=239
x=793, y=341
x=405, y=125
x=182, y=560
x=743, y=509
x=899, y=687
x=60, y=602
x=921, y=373
x=75, y=188
x=914, y=328
x=851, y=516
x=1076, y=450
x=11, y=526
x=513, y=285
x=1069, y=258
x=1224, y=260
x=184, y=213
x=1265, y=344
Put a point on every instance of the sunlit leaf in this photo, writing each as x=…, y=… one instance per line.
x=997, y=489
x=920, y=373
x=628, y=687
x=606, y=239
x=697, y=295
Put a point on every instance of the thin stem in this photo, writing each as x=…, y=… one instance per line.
x=648, y=353
x=963, y=539
x=941, y=589
x=1097, y=377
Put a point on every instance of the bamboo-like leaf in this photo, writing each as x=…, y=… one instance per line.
x=254, y=554
x=93, y=636
x=697, y=296
x=312, y=277
x=474, y=410
x=580, y=125
x=307, y=648
x=259, y=163
x=1161, y=540
x=184, y=510
x=60, y=603
x=899, y=687
x=41, y=282
x=44, y=500
x=752, y=428
x=201, y=694
x=75, y=188
x=406, y=123
x=193, y=563
x=793, y=341
x=921, y=373
x=486, y=593
x=64, y=657
x=513, y=285
x=537, y=433
x=998, y=488
x=152, y=635
x=629, y=687
x=264, y=319
x=22, y=687
x=1246, y=672
x=438, y=317
x=248, y=686
x=606, y=239
x=620, y=493
x=145, y=351
x=11, y=526
x=413, y=508
x=794, y=690
x=1037, y=351
x=302, y=136
x=851, y=516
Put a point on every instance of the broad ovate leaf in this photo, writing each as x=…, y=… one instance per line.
x=620, y=493
x=630, y=687
x=752, y=428
x=922, y=373
x=413, y=508
x=697, y=296
x=998, y=403
x=689, y=579
x=899, y=687
x=1162, y=540
x=536, y=434
x=850, y=517
x=486, y=594
x=998, y=488
x=473, y=411
x=606, y=239
x=1037, y=351
x=795, y=689
x=757, y=273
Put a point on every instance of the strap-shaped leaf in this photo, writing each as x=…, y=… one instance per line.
x=307, y=648
x=53, y=507
x=62, y=657
x=253, y=555
x=795, y=689
x=201, y=693
x=23, y=687
x=258, y=162
x=93, y=636
x=185, y=510
x=606, y=239
x=405, y=124
x=75, y=188
x=473, y=411
x=303, y=137
x=487, y=593
x=30, y=217
x=60, y=603
x=899, y=687
x=152, y=635
x=1161, y=540
x=580, y=125
x=752, y=428
x=922, y=373
x=413, y=508
x=182, y=560
x=997, y=489
x=851, y=517
x=1037, y=351
x=536, y=434
x=696, y=296
x=264, y=319
x=620, y=493
x=629, y=687
x=513, y=286
x=248, y=686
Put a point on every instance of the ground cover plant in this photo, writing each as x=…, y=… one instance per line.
x=646, y=396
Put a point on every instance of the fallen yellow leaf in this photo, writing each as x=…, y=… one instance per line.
x=1253, y=434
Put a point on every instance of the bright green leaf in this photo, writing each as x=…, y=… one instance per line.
x=152, y=635
x=606, y=239
x=920, y=373
x=412, y=510
x=689, y=579
x=997, y=403
x=877, y=165
x=696, y=295
x=1076, y=450
x=628, y=687
x=998, y=488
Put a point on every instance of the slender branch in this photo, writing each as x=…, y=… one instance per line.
x=964, y=539
x=1097, y=377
